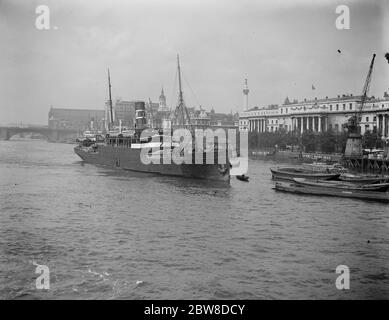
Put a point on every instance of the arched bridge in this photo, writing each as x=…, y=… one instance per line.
x=51, y=134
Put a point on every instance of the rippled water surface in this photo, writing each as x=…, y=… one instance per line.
x=109, y=234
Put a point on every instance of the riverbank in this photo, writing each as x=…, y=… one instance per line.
x=363, y=164
x=286, y=155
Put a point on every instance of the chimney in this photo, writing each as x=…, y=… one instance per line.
x=140, y=115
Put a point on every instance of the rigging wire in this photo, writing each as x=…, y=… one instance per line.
x=185, y=111
x=194, y=95
x=180, y=109
x=173, y=90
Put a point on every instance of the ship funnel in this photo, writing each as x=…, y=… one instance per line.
x=140, y=115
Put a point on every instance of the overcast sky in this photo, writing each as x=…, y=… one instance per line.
x=282, y=47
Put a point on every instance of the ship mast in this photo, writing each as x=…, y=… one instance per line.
x=180, y=94
x=181, y=110
x=110, y=99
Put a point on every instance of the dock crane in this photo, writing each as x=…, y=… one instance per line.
x=354, y=139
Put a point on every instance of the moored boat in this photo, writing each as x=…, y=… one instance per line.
x=363, y=178
x=289, y=173
x=324, y=167
x=379, y=187
x=298, y=188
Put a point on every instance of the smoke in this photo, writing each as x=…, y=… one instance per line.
x=387, y=56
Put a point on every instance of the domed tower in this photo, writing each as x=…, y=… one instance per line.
x=162, y=101
x=245, y=96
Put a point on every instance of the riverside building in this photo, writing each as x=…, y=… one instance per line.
x=317, y=115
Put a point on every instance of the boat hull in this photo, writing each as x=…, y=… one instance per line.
x=290, y=173
x=363, y=179
x=129, y=159
x=310, y=190
x=379, y=187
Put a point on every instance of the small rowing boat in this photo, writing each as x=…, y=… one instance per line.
x=242, y=178
x=289, y=173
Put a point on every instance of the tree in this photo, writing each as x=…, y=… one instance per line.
x=308, y=141
x=340, y=141
x=327, y=142
x=371, y=140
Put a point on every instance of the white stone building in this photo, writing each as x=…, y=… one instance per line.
x=317, y=115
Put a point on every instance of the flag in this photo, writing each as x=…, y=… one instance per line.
x=313, y=87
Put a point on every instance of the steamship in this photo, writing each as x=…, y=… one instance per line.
x=122, y=147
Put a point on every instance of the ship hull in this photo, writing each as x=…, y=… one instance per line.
x=129, y=159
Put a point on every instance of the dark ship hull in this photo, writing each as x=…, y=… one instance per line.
x=129, y=159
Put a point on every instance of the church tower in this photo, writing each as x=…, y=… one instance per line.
x=162, y=101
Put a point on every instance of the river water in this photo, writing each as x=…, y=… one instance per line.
x=108, y=234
